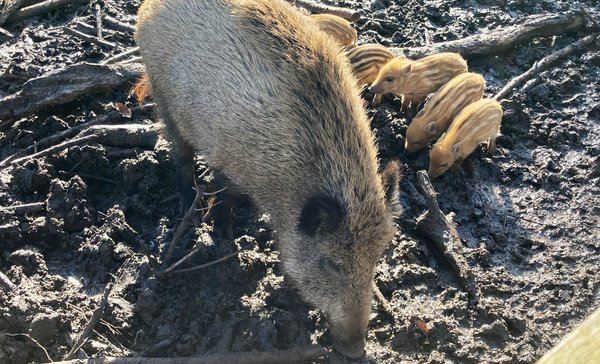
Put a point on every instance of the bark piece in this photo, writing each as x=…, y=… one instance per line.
x=65, y=85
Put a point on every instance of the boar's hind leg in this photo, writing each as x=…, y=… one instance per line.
x=183, y=158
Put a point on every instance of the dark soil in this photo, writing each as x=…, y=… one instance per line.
x=528, y=216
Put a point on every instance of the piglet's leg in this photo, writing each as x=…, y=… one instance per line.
x=491, y=146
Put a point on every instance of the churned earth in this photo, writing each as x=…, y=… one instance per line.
x=528, y=216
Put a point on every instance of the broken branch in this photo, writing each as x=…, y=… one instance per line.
x=301, y=354
x=118, y=57
x=502, y=39
x=98, y=16
x=313, y=7
x=66, y=85
x=544, y=63
x=434, y=224
x=25, y=208
x=118, y=25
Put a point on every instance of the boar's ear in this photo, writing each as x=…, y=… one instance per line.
x=455, y=148
x=320, y=214
x=390, y=178
x=407, y=68
x=431, y=128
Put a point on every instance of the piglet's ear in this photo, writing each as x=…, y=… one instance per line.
x=407, y=68
x=431, y=128
x=320, y=214
x=390, y=178
x=455, y=148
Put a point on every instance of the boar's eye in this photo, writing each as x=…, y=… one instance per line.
x=444, y=165
x=389, y=79
x=328, y=266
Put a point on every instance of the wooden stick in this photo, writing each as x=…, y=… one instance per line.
x=118, y=57
x=579, y=346
x=384, y=302
x=40, y=8
x=98, y=17
x=206, y=265
x=6, y=34
x=65, y=85
x=25, y=208
x=544, y=63
x=10, y=6
x=118, y=25
x=89, y=38
x=89, y=327
x=348, y=14
x=6, y=282
x=297, y=355
x=443, y=234
x=502, y=39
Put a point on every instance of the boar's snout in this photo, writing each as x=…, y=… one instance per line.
x=352, y=346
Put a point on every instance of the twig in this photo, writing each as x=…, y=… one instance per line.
x=118, y=57
x=131, y=60
x=65, y=85
x=37, y=343
x=61, y=146
x=384, y=302
x=502, y=39
x=544, y=63
x=183, y=225
x=89, y=327
x=6, y=282
x=443, y=234
x=84, y=26
x=25, y=209
x=118, y=25
x=313, y=7
x=10, y=6
x=590, y=17
x=40, y=8
x=206, y=265
x=6, y=34
x=182, y=260
x=99, y=21
x=89, y=38
x=302, y=354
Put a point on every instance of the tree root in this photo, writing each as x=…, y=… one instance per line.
x=502, y=39
x=64, y=86
x=434, y=225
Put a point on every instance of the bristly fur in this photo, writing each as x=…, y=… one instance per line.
x=442, y=108
x=478, y=122
x=270, y=101
x=415, y=79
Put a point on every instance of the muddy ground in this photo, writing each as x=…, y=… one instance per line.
x=528, y=216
